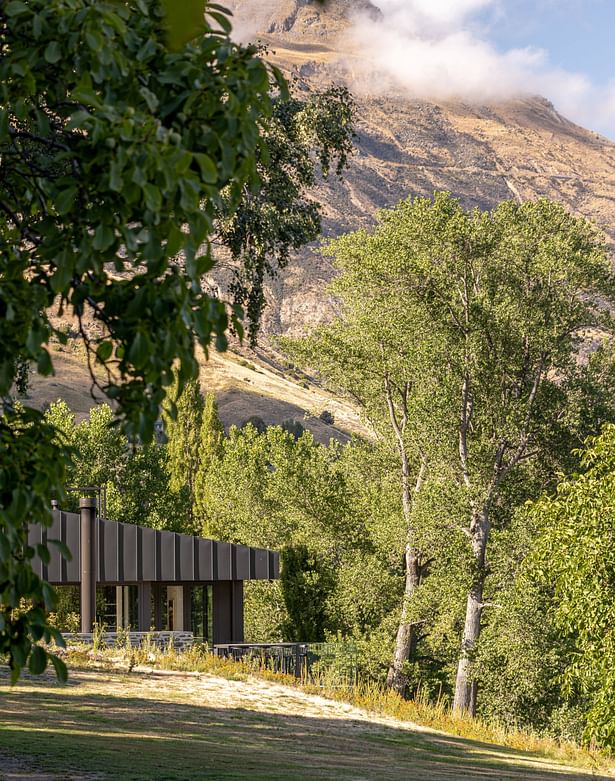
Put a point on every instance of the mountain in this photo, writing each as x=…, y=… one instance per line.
x=483, y=154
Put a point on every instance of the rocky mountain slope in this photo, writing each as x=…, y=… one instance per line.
x=483, y=154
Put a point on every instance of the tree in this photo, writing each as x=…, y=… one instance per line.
x=118, y=156
x=135, y=477
x=272, y=490
x=306, y=583
x=459, y=338
x=183, y=428
x=114, y=153
x=305, y=135
x=574, y=563
x=211, y=437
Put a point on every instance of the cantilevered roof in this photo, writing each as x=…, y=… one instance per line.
x=126, y=553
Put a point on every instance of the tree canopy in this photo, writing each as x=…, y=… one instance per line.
x=573, y=561
x=459, y=336
x=119, y=155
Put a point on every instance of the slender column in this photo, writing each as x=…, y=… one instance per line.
x=157, y=588
x=223, y=607
x=119, y=607
x=87, y=511
x=237, y=611
x=187, y=608
x=145, y=607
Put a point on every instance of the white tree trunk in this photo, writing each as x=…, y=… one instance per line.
x=465, y=687
x=397, y=679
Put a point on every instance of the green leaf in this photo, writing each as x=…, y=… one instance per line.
x=153, y=197
x=209, y=171
x=43, y=553
x=183, y=21
x=61, y=546
x=221, y=19
x=59, y=667
x=44, y=365
x=94, y=40
x=65, y=199
x=53, y=52
x=175, y=241
x=104, y=237
x=38, y=660
x=138, y=352
x=104, y=350
x=15, y=8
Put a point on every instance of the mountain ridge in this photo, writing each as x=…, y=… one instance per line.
x=483, y=153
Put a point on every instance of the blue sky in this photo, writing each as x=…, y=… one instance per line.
x=577, y=35
x=485, y=50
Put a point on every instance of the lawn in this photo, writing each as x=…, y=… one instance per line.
x=162, y=727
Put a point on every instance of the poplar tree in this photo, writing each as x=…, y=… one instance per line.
x=183, y=430
x=210, y=445
x=459, y=336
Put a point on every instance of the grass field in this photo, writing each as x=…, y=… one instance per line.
x=163, y=727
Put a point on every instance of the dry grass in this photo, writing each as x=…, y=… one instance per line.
x=374, y=699
x=166, y=704
x=157, y=725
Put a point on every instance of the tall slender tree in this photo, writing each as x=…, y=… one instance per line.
x=488, y=310
x=211, y=438
x=183, y=431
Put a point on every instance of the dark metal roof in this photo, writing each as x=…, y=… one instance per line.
x=126, y=553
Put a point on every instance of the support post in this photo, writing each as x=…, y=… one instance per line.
x=187, y=608
x=87, y=511
x=237, y=611
x=145, y=607
x=157, y=588
x=223, y=606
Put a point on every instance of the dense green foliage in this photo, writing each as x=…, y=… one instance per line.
x=573, y=561
x=136, y=479
x=305, y=135
x=114, y=152
x=458, y=336
x=126, y=136
x=335, y=513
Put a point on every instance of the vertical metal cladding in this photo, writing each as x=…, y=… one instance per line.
x=36, y=536
x=72, y=538
x=205, y=559
x=54, y=569
x=261, y=564
x=241, y=562
x=274, y=564
x=186, y=557
x=125, y=553
x=167, y=556
x=224, y=566
x=150, y=565
x=130, y=552
x=109, y=547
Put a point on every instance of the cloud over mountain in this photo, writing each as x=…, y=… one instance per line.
x=438, y=49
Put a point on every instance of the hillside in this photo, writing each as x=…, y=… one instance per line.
x=483, y=154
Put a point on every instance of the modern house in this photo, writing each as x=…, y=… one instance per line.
x=144, y=578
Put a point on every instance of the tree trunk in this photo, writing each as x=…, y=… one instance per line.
x=465, y=687
x=397, y=679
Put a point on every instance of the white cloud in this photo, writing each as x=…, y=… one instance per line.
x=440, y=49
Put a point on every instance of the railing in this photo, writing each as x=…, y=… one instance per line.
x=332, y=663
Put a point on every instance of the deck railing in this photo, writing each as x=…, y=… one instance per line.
x=332, y=663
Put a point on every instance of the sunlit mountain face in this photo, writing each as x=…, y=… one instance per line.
x=482, y=150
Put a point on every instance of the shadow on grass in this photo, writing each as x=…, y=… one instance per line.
x=132, y=738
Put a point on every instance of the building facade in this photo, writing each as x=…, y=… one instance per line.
x=147, y=579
